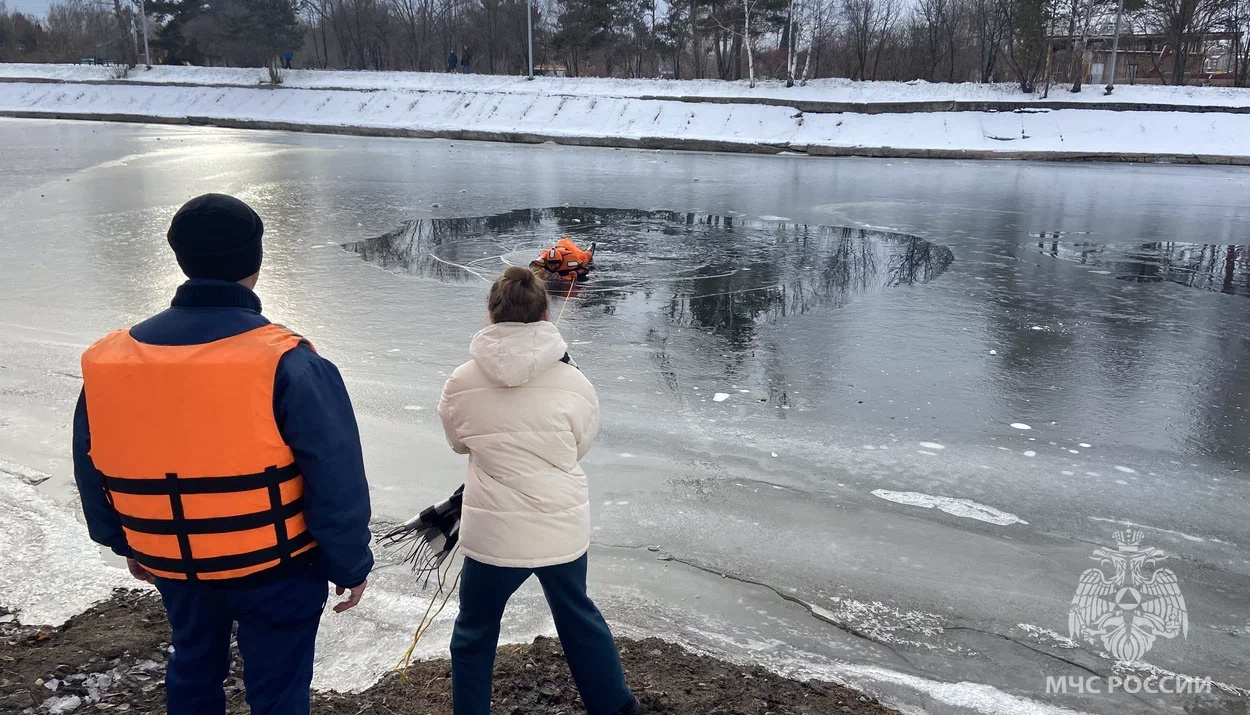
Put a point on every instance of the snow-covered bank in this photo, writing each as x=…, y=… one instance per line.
x=501, y=114
x=820, y=91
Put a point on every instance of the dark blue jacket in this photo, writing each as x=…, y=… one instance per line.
x=313, y=412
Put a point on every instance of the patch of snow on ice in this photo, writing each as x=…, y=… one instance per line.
x=1030, y=453
x=39, y=536
x=932, y=445
x=1046, y=636
x=720, y=397
x=1126, y=470
x=1085, y=445
x=1020, y=425
x=963, y=696
x=965, y=508
x=881, y=622
x=775, y=218
x=931, y=454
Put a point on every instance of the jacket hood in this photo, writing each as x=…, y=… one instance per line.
x=512, y=354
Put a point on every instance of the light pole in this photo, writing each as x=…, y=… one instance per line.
x=147, y=55
x=529, y=28
x=1115, y=48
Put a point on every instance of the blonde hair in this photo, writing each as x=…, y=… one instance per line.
x=518, y=296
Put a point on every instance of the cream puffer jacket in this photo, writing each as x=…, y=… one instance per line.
x=525, y=418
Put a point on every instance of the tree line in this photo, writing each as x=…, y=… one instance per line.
x=791, y=40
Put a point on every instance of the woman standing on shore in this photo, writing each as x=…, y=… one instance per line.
x=526, y=415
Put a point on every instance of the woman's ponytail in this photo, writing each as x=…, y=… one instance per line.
x=518, y=296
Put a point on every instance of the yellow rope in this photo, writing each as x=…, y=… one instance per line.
x=426, y=619
x=572, y=285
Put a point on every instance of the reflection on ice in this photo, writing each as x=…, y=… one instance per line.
x=718, y=272
x=1215, y=267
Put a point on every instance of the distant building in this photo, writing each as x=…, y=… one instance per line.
x=1145, y=56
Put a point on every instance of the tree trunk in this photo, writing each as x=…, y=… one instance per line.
x=128, y=54
x=695, y=45
x=807, y=63
x=790, y=32
x=746, y=27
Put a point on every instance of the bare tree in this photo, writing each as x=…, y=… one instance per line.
x=746, y=30
x=1027, y=45
x=1185, y=24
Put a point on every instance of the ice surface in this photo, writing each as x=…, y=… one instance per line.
x=1172, y=532
x=40, y=536
x=958, y=507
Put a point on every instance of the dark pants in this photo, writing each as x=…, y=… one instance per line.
x=464, y=69
x=588, y=645
x=277, y=633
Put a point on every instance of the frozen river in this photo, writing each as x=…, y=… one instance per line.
x=862, y=419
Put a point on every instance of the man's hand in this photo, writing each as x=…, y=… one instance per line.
x=353, y=598
x=137, y=570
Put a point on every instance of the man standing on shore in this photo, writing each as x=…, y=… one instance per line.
x=219, y=454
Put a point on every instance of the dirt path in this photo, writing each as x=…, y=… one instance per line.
x=112, y=659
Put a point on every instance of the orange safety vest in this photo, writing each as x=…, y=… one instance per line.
x=194, y=464
x=567, y=260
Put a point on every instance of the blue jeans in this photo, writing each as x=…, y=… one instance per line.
x=588, y=645
x=277, y=634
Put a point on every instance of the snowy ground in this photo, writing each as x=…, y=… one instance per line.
x=820, y=90
x=835, y=472
x=658, y=114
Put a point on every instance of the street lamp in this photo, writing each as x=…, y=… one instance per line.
x=1115, y=48
x=529, y=28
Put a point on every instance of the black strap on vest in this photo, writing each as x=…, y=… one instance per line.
x=203, y=485
x=180, y=517
x=180, y=526
x=225, y=563
x=275, y=508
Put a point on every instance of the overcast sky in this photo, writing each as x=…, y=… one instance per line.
x=35, y=7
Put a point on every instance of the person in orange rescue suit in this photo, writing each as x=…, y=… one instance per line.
x=566, y=261
x=219, y=454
